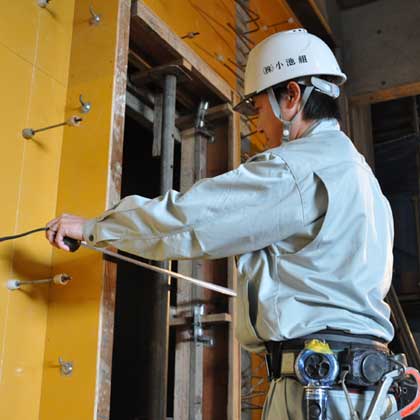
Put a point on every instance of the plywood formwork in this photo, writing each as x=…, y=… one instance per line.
x=79, y=327
x=164, y=45
x=34, y=54
x=215, y=40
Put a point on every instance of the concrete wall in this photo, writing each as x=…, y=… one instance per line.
x=380, y=43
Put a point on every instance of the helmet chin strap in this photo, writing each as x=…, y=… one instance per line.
x=275, y=106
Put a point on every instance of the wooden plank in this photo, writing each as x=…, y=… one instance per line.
x=197, y=294
x=155, y=76
x=137, y=61
x=144, y=19
x=107, y=305
x=157, y=125
x=234, y=142
x=234, y=381
x=149, y=118
x=382, y=95
x=181, y=68
x=361, y=128
x=184, y=295
x=139, y=111
x=103, y=390
x=189, y=354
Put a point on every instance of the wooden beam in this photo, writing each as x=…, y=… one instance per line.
x=184, y=295
x=361, y=131
x=382, y=95
x=107, y=305
x=137, y=61
x=139, y=111
x=155, y=75
x=147, y=117
x=145, y=21
x=180, y=68
x=234, y=381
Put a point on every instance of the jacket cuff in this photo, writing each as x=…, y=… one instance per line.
x=89, y=232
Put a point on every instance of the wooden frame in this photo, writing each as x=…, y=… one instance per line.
x=107, y=305
x=140, y=19
x=360, y=114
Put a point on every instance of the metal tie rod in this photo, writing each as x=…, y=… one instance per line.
x=200, y=283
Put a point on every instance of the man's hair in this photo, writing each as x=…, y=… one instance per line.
x=318, y=107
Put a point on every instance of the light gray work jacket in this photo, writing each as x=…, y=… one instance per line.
x=308, y=223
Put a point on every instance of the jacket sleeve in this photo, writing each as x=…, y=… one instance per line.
x=243, y=210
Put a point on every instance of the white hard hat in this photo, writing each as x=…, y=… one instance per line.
x=289, y=55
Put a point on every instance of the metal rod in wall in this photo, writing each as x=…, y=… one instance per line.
x=29, y=133
x=160, y=334
x=60, y=279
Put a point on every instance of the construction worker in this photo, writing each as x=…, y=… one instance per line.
x=307, y=220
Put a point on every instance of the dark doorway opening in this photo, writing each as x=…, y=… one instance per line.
x=395, y=126
x=133, y=303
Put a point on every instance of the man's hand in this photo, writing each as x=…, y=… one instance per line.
x=65, y=225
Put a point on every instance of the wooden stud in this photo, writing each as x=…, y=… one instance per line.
x=361, y=128
x=234, y=384
x=107, y=305
x=184, y=295
x=157, y=124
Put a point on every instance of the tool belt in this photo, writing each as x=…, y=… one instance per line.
x=366, y=358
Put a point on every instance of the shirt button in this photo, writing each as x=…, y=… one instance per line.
x=91, y=238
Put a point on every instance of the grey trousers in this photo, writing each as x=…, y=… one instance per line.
x=284, y=402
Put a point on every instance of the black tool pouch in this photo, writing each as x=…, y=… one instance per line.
x=365, y=366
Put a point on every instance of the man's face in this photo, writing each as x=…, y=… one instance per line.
x=267, y=121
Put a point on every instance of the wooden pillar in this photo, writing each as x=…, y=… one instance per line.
x=361, y=131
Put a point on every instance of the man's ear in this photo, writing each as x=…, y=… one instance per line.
x=294, y=95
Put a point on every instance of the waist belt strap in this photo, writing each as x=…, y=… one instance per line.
x=281, y=354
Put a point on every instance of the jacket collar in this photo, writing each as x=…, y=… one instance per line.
x=320, y=126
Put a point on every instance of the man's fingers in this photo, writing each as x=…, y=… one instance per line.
x=51, y=232
x=62, y=226
x=52, y=226
x=59, y=240
x=53, y=222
